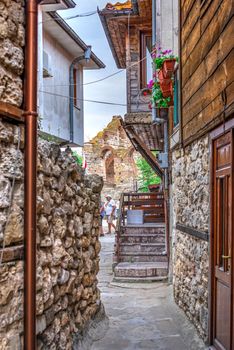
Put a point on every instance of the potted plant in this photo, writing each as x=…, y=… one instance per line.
x=166, y=85
x=165, y=60
x=168, y=67
x=161, y=103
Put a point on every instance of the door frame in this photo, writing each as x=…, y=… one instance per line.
x=215, y=134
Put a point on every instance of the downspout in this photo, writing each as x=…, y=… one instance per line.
x=86, y=56
x=30, y=197
x=154, y=40
x=158, y=120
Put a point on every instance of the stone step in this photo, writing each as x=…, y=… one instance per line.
x=141, y=270
x=142, y=248
x=142, y=257
x=141, y=238
x=140, y=279
x=143, y=230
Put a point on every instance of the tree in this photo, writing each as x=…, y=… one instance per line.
x=146, y=175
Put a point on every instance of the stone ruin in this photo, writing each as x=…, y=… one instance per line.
x=111, y=155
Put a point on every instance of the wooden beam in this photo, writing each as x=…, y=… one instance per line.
x=11, y=112
x=143, y=150
x=12, y=253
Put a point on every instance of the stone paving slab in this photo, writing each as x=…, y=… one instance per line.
x=141, y=316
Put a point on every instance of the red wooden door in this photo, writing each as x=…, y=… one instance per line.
x=222, y=244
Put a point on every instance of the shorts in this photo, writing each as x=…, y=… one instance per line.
x=100, y=220
x=110, y=219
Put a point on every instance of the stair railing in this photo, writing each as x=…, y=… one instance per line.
x=120, y=221
x=153, y=208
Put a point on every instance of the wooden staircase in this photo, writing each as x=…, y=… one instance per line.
x=140, y=250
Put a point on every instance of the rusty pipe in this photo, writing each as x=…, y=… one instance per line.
x=30, y=107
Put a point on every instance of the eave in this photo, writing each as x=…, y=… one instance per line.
x=143, y=147
x=60, y=22
x=65, y=4
x=115, y=25
x=150, y=134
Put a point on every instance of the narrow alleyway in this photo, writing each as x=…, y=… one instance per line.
x=142, y=316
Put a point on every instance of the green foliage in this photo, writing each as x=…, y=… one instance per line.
x=147, y=176
x=157, y=97
x=77, y=157
x=161, y=56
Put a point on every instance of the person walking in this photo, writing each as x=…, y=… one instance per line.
x=110, y=208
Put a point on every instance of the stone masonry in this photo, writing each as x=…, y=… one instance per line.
x=67, y=245
x=68, y=212
x=111, y=155
x=12, y=40
x=190, y=199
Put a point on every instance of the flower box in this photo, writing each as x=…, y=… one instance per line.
x=166, y=85
x=168, y=67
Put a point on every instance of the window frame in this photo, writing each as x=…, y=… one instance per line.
x=143, y=63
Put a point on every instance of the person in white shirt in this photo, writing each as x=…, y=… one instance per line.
x=110, y=208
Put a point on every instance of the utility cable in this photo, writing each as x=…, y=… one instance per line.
x=87, y=14
x=84, y=100
x=106, y=77
x=11, y=196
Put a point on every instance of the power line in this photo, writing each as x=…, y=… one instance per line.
x=84, y=100
x=87, y=14
x=106, y=77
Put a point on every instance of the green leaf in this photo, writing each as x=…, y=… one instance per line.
x=146, y=175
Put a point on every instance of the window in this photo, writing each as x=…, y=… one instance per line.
x=75, y=87
x=146, y=64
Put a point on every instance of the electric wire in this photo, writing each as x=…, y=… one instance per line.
x=87, y=14
x=83, y=100
x=106, y=77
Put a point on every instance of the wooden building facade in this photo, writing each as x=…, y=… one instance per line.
x=202, y=171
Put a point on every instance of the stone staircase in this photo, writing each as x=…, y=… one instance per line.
x=141, y=254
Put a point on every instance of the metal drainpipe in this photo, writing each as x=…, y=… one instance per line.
x=30, y=175
x=71, y=101
x=86, y=56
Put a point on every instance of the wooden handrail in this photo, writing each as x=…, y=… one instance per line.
x=118, y=227
x=151, y=203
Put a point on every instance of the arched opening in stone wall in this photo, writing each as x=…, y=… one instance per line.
x=109, y=165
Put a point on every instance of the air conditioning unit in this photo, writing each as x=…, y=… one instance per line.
x=47, y=70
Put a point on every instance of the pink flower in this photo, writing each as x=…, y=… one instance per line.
x=150, y=84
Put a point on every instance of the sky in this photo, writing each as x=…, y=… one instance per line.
x=113, y=89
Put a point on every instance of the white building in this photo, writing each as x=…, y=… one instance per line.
x=61, y=63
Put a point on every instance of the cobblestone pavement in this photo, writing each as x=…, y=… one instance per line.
x=141, y=316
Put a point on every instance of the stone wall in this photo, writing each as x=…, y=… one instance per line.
x=190, y=201
x=12, y=40
x=111, y=155
x=67, y=245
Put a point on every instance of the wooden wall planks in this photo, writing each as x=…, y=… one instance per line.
x=207, y=52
